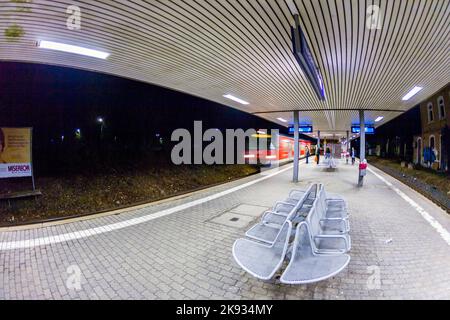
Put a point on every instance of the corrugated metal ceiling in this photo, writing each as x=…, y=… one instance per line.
x=209, y=48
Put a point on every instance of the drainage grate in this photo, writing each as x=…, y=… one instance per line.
x=239, y=217
x=234, y=220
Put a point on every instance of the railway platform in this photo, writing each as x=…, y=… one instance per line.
x=181, y=248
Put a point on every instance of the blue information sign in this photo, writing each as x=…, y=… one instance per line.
x=368, y=129
x=301, y=129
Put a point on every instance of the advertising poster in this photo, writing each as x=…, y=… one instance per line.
x=15, y=152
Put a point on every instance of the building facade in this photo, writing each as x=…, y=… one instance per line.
x=394, y=139
x=432, y=147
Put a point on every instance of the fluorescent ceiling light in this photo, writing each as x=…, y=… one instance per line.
x=281, y=119
x=379, y=119
x=72, y=49
x=412, y=93
x=231, y=97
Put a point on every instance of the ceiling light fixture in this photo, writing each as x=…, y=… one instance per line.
x=412, y=93
x=72, y=49
x=379, y=119
x=231, y=97
x=282, y=120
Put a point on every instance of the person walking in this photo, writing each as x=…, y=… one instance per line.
x=328, y=153
x=353, y=156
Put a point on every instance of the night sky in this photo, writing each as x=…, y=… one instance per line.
x=57, y=101
x=63, y=99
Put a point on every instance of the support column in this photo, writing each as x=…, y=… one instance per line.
x=362, y=134
x=318, y=147
x=362, y=145
x=348, y=141
x=347, y=147
x=296, y=145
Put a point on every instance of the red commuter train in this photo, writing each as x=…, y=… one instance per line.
x=285, y=151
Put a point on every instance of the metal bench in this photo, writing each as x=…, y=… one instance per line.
x=263, y=260
x=319, y=248
x=23, y=194
x=333, y=213
x=305, y=266
x=269, y=226
x=326, y=240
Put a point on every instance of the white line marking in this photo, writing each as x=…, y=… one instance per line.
x=31, y=243
x=432, y=221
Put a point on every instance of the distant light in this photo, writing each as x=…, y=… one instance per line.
x=412, y=93
x=281, y=119
x=262, y=136
x=249, y=156
x=100, y=119
x=231, y=97
x=72, y=49
x=271, y=157
x=261, y=132
x=379, y=119
x=78, y=131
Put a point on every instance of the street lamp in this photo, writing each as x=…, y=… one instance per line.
x=102, y=124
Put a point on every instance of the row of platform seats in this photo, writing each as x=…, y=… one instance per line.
x=309, y=229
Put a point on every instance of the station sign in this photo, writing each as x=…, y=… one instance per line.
x=368, y=129
x=301, y=129
x=305, y=59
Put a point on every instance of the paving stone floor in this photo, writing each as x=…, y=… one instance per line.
x=184, y=255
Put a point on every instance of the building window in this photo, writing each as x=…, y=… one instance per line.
x=430, y=113
x=432, y=142
x=441, y=107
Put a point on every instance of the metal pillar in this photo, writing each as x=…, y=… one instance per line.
x=348, y=141
x=318, y=147
x=347, y=147
x=296, y=145
x=362, y=150
x=362, y=145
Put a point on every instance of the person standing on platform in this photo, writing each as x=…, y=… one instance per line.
x=328, y=153
x=307, y=155
x=353, y=156
x=318, y=155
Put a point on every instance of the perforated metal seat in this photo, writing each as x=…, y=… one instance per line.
x=305, y=266
x=262, y=260
x=324, y=240
x=271, y=221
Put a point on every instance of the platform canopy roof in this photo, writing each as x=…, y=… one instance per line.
x=210, y=48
